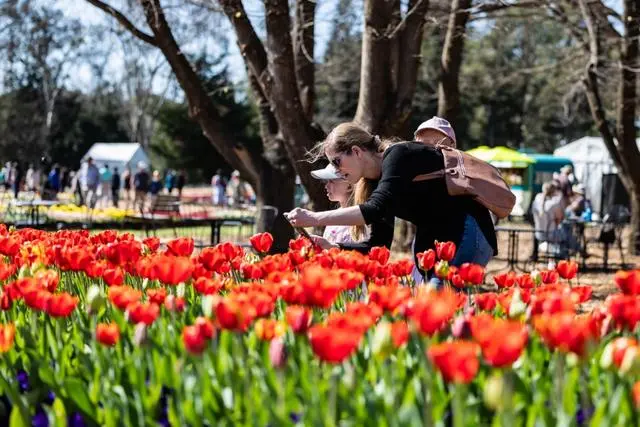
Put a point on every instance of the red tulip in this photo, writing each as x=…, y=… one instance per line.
x=107, y=334
x=471, y=273
x=505, y=280
x=261, y=242
x=457, y=361
x=426, y=259
x=298, y=318
x=333, y=345
x=380, y=254
x=567, y=269
x=182, y=246
x=192, y=338
x=628, y=281
x=445, y=250
x=61, y=305
x=152, y=243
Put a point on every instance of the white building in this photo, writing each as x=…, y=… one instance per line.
x=117, y=154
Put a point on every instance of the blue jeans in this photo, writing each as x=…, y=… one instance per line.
x=473, y=247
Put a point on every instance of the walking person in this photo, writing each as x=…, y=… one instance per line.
x=115, y=187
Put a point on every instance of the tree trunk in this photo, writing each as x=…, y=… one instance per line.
x=280, y=196
x=627, y=105
x=449, y=85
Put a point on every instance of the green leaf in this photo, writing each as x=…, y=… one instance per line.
x=59, y=413
x=77, y=392
x=16, y=419
x=46, y=374
x=598, y=416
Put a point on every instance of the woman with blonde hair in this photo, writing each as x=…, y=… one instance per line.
x=349, y=237
x=395, y=172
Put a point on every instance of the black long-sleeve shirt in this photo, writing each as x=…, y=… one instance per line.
x=427, y=204
x=381, y=234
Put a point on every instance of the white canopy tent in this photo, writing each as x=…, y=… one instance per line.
x=591, y=160
x=117, y=155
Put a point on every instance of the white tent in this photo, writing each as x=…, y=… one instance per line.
x=591, y=160
x=117, y=155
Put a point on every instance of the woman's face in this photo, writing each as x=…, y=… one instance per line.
x=338, y=190
x=348, y=163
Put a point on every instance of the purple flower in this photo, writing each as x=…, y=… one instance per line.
x=23, y=380
x=583, y=415
x=40, y=419
x=49, y=398
x=76, y=420
x=295, y=417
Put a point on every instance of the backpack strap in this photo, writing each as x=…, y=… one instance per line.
x=428, y=176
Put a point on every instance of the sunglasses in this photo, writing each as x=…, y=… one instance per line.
x=337, y=161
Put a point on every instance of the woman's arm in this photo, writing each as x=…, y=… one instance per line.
x=381, y=235
x=343, y=216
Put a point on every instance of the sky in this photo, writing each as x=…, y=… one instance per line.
x=83, y=78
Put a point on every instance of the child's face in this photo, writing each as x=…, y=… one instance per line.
x=338, y=190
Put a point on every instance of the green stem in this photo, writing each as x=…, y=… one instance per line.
x=458, y=392
x=507, y=397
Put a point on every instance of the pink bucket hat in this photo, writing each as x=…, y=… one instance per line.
x=439, y=124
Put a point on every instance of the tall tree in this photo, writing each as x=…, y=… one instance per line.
x=279, y=69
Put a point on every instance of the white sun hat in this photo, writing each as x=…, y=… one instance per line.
x=326, y=174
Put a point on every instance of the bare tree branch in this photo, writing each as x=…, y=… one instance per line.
x=303, y=50
x=124, y=21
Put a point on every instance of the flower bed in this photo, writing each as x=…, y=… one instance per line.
x=104, y=329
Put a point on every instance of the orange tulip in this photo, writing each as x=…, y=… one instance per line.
x=7, y=334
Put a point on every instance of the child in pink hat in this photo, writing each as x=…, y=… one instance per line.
x=434, y=131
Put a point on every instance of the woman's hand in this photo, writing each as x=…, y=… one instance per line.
x=322, y=242
x=302, y=218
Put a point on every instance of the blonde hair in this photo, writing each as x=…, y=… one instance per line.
x=342, y=139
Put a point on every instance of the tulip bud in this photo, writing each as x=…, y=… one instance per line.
x=606, y=360
x=631, y=362
x=382, y=343
x=536, y=277
x=493, y=390
x=24, y=272
x=140, y=334
x=517, y=307
x=35, y=267
x=278, y=353
x=145, y=283
x=442, y=269
x=180, y=290
x=95, y=299
x=461, y=327
x=207, y=305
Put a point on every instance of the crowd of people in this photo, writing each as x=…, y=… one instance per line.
x=558, y=212
x=234, y=192
x=93, y=185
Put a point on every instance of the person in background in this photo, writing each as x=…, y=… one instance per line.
x=32, y=179
x=91, y=183
x=577, y=203
x=435, y=131
x=115, y=187
x=170, y=181
x=141, y=186
x=181, y=181
x=105, y=184
x=126, y=185
x=218, y=188
x=16, y=178
x=53, y=179
x=156, y=183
